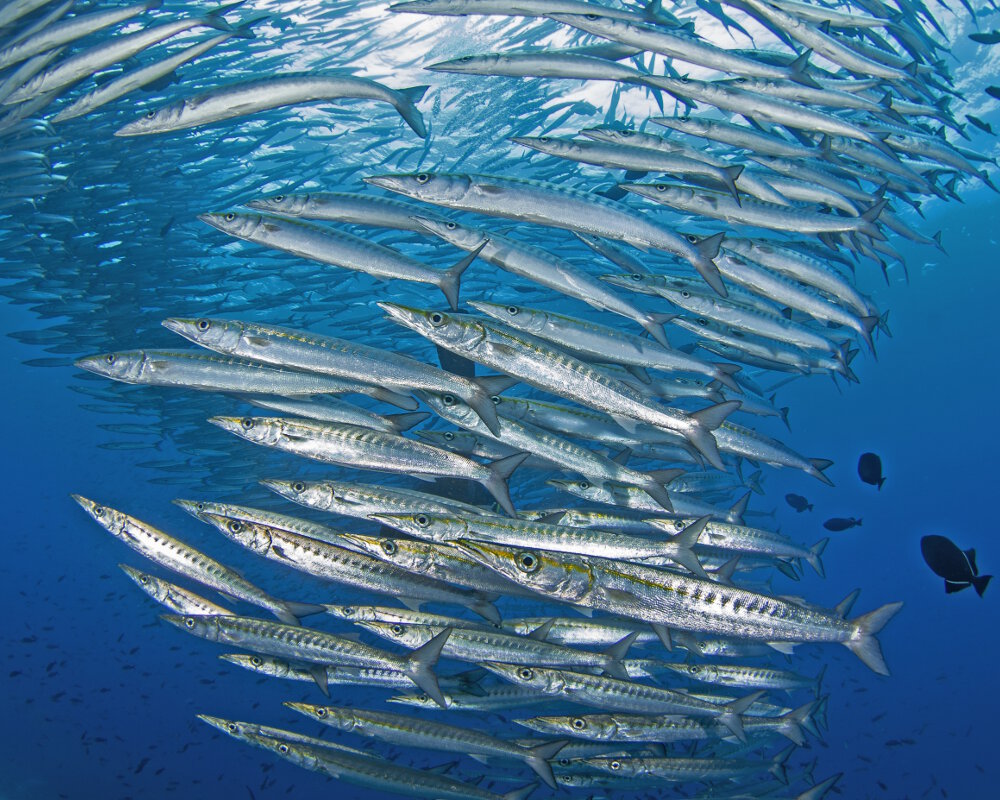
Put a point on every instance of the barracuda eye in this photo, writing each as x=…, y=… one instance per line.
x=150, y=115
x=388, y=547
x=435, y=318
x=512, y=310
x=422, y=520
x=256, y=661
x=661, y=187
x=282, y=748
x=564, y=762
x=396, y=630
x=527, y=562
x=685, y=294
x=591, y=17
x=229, y=217
x=636, y=277
x=189, y=622
x=615, y=765
x=703, y=322
x=235, y=526
x=692, y=238
x=423, y=698
x=278, y=198
x=232, y=727
x=321, y=712
x=203, y=325
x=298, y=486
x=448, y=399
x=465, y=59
x=247, y=423
x=348, y=611
x=143, y=579
x=496, y=399
x=451, y=226
x=583, y=485
x=422, y=178
x=692, y=670
x=625, y=133
x=525, y=674
x=98, y=511
x=448, y=436
x=579, y=724
x=110, y=358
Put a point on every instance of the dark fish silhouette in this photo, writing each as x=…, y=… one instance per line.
x=956, y=566
x=798, y=502
x=870, y=469
x=979, y=123
x=993, y=91
x=841, y=523
x=990, y=37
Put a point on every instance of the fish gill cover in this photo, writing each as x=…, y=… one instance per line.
x=489, y=323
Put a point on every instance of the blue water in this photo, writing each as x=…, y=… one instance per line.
x=98, y=697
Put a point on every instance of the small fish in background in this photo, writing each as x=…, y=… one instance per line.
x=798, y=502
x=956, y=566
x=842, y=523
x=989, y=37
x=870, y=470
x=979, y=123
x=993, y=91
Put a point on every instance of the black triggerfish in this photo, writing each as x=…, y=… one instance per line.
x=956, y=566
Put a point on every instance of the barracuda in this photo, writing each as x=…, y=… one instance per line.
x=682, y=602
x=556, y=206
x=331, y=356
x=334, y=410
x=555, y=538
x=339, y=249
x=362, y=448
x=361, y=500
x=543, y=268
x=692, y=769
x=345, y=565
x=209, y=373
x=409, y=731
x=474, y=645
x=250, y=97
x=603, y=343
x=356, y=209
x=183, y=559
x=176, y=598
x=535, y=362
x=620, y=695
x=544, y=444
x=315, y=647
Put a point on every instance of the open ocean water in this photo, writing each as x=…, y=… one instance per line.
x=100, y=241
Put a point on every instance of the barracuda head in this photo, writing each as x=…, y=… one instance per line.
x=384, y=548
x=259, y=430
x=342, y=719
x=155, y=121
x=205, y=627
x=297, y=754
x=425, y=186
x=238, y=730
x=529, y=320
x=265, y=665
x=451, y=408
x=453, y=332
x=241, y=226
x=586, y=490
x=545, y=680
x=594, y=727
x=557, y=575
x=251, y=535
x=486, y=63
x=411, y=636
x=457, y=441
x=150, y=584
x=113, y=521
x=458, y=235
x=431, y=527
x=353, y=613
x=605, y=133
x=126, y=366
x=313, y=494
x=221, y=335
x=293, y=205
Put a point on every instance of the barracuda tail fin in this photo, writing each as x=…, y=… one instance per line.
x=449, y=280
x=819, y=791
x=708, y=419
x=681, y=544
x=538, y=759
x=817, y=466
x=295, y=610
x=723, y=373
x=616, y=653
x=520, y=794
x=863, y=642
x=419, y=666
x=738, y=509
x=753, y=481
x=658, y=493
x=403, y=422
x=408, y=111
x=319, y=674
x=777, y=766
x=653, y=324
x=708, y=249
x=496, y=484
x=731, y=714
x=791, y=723
x=814, y=556
x=480, y=401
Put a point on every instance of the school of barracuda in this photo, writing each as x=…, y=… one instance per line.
x=707, y=227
